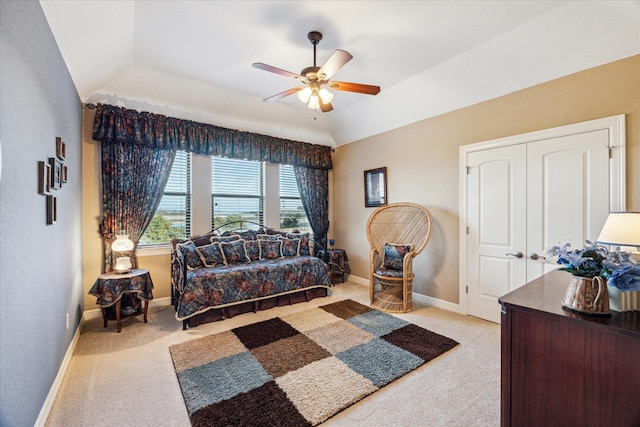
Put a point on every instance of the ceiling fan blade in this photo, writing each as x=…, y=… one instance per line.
x=333, y=64
x=283, y=94
x=355, y=87
x=325, y=108
x=265, y=67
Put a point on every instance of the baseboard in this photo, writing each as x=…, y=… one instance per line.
x=57, y=382
x=424, y=299
x=55, y=387
x=97, y=312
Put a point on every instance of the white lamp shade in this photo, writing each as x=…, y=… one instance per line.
x=304, y=94
x=621, y=229
x=325, y=95
x=314, y=104
x=122, y=244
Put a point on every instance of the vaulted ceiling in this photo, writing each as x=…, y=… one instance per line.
x=192, y=59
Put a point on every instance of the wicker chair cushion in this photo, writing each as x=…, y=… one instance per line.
x=388, y=272
x=394, y=255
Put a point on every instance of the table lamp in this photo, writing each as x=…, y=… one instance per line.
x=621, y=229
x=122, y=244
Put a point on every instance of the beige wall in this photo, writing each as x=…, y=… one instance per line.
x=422, y=167
x=422, y=160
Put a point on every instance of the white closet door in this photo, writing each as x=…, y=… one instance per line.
x=527, y=193
x=567, y=193
x=497, y=227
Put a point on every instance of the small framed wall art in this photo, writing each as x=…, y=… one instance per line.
x=375, y=187
x=61, y=148
x=56, y=173
x=44, y=178
x=52, y=209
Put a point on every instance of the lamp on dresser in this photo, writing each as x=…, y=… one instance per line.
x=622, y=229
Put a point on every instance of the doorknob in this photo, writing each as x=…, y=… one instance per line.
x=536, y=256
x=517, y=254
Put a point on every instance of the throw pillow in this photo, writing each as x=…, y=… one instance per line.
x=394, y=255
x=188, y=249
x=211, y=255
x=270, y=249
x=305, y=248
x=202, y=240
x=253, y=249
x=234, y=252
x=268, y=236
x=230, y=238
x=290, y=247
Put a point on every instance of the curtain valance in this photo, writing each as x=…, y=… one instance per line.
x=116, y=124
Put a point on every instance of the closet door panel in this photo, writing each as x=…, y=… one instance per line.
x=567, y=193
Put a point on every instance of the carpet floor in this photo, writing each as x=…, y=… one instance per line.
x=129, y=379
x=299, y=369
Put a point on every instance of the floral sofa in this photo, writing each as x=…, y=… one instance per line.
x=215, y=277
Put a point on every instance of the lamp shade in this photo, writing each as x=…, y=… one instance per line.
x=122, y=243
x=621, y=229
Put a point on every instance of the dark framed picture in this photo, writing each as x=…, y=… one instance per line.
x=52, y=210
x=375, y=187
x=61, y=148
x=64, y=173
x=44, y=178
x=56, y=173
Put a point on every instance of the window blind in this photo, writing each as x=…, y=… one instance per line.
x=173, y=217
x=292, y=215
x=237, y=191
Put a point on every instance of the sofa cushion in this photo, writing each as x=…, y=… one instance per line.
x=211, y=255
x=202, y=240
x=188, y=249
x=270, y=249
x=234, y=252
x=253, y=249
x=290, y=247
x=229, y=238
x=305, y=247
x=268, y=236
x=394, y=255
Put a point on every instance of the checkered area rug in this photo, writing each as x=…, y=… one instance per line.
x=299, y=369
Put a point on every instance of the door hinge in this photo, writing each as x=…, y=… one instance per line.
x=611, y=152
x=467, y=229
x=468, y=169
x=466, y=289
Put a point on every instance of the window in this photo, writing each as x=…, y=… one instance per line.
x=173, y=217
x=237, y=191
x=292, y=213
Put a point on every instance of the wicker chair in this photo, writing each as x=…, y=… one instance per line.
x=402, y=230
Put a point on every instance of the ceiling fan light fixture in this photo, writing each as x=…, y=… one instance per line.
x=325, y=95
x=314, y=103
x=304, y=94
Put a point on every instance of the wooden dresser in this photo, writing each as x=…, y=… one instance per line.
x=565, y=369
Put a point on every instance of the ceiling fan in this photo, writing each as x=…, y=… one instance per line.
x=316, y=79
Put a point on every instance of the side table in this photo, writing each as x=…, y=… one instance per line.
x=110, y=288
x=338, y=263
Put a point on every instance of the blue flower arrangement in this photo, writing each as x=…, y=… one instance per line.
x=593, y=260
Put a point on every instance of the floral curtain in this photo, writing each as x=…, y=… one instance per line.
x=133, y=181
x=313, y=185
x=115, y=124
